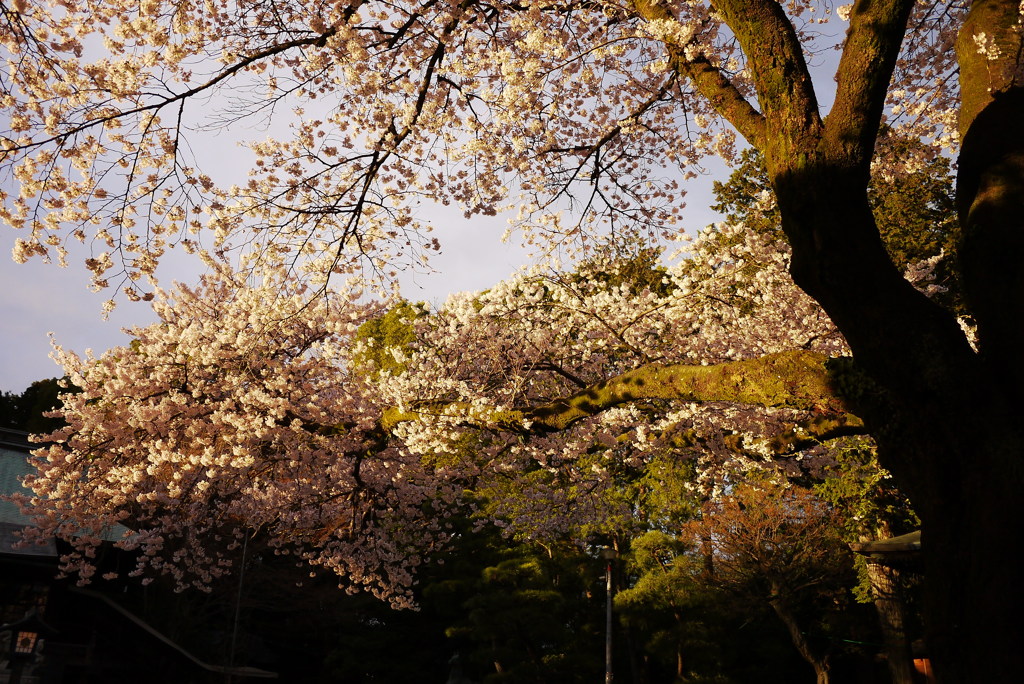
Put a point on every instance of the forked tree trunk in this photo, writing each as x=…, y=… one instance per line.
x=945, y=421
x=946, y=418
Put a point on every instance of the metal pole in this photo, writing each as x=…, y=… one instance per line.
x=608, y=676
x=238, y=609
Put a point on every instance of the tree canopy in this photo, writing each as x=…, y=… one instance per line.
x=586, y=117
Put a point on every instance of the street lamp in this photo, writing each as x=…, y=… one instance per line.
x=608, y=554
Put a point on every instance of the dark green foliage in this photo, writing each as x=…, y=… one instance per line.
x=677, y=619
x=869, y=505
x=916, y=214
x=520, y=612
x=691, y=629
x=637, y=266
x=25, y=411
x=735, y=198
x=371, y=642
x=864, y=493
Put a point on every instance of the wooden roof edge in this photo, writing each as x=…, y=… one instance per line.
x=905, y=543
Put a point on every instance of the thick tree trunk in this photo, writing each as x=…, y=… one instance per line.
x=974, y=596
x=943, y=418
x=977, y=638
x=943, y=415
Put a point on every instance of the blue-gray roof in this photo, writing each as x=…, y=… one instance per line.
x=14, y=465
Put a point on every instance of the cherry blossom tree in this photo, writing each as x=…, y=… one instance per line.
x=579, y=113
x=332, y=429
x=237, y=414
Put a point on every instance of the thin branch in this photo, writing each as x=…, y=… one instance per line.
x=316, y=40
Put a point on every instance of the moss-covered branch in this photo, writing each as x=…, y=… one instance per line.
x=792, y=379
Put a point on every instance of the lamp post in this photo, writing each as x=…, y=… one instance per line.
x=25, y=634
x=608, y=554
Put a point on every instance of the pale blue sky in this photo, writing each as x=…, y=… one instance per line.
x=38, y=298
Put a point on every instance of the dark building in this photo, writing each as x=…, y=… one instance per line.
x=91, y=635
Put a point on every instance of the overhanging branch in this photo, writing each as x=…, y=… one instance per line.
x=792, y=379
x=708, y=79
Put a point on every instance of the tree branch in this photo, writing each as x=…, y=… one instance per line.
x=865, y=69
x=792, y=379
x=724, y=97
x=795, y=379
x=249, y=60
x=709, y=80
x=784, y=88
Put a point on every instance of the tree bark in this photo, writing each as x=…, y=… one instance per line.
x=885, y=586
x=943, y=415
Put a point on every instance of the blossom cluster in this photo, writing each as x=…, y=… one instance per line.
x=536, y=106
x=236, y=414
x=347, y=431
x=257, y=405
x=544, y=334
